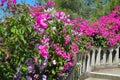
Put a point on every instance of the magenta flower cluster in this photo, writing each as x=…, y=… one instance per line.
x=83, y=27
x=109, y=27
x=62, y=38
x=106, y=27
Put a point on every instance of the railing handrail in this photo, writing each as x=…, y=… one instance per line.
x=98, y=56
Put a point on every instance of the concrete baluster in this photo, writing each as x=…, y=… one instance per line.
x=116, y=60
x=98, y=56
x=104, y=58
x=88, y=63
x=110, y=56
x=93, y=58
x=84, y=65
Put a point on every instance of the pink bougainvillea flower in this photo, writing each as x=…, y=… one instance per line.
x=83, y=27
x=117, y=37
x=46, y=40
x=43, y=50
x=44, y=53
x=45, y=15
x=43, y=24
x=41, y=20
x=69, y=56
x=67, y=66
x=35, y=10
x=116, y=8
x=64, y=55
x=60, y=15
x=11, y=2
x=75, y=48
x=58, y=52
x=112, y=42
x=67, y=39
x=43, y=47
x=49, y=4
x=36, y=76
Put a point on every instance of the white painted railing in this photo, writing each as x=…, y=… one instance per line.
x=97, y=57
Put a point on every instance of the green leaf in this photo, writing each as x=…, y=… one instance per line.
x=29, y=29
x=13, y=30
x=40, y=61
x=53, y=71
x=60, y=68
x=23, y=39
x=24, y=67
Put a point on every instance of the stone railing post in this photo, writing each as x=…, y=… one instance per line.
x=93, y=57
x=116, y=60
x=88, y=63
x=104, y=58
x=84, y=66
x=110, y=56
x=98, y=56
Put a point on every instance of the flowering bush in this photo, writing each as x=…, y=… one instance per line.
x=17, y=43
x=39, y=42
x=83, y=31
x=109, y=27
x=57, y=45
x=105, y=32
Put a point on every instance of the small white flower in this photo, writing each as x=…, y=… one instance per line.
x=59, y=20
x=54, y=62
x=79, y=34
x=44, y=63
x=49, y=9
x=68, y=15
x=54, y=28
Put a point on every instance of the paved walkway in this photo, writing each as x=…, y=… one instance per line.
x=110, y=71
x=105, y=74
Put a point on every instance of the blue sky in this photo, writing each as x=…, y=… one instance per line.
x=30, y=2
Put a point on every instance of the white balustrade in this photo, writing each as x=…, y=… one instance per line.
x=99, y=57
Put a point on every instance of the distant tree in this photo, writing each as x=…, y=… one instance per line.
x=88, y=9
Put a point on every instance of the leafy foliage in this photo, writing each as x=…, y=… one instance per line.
x=18, y=40
x=39, y=42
